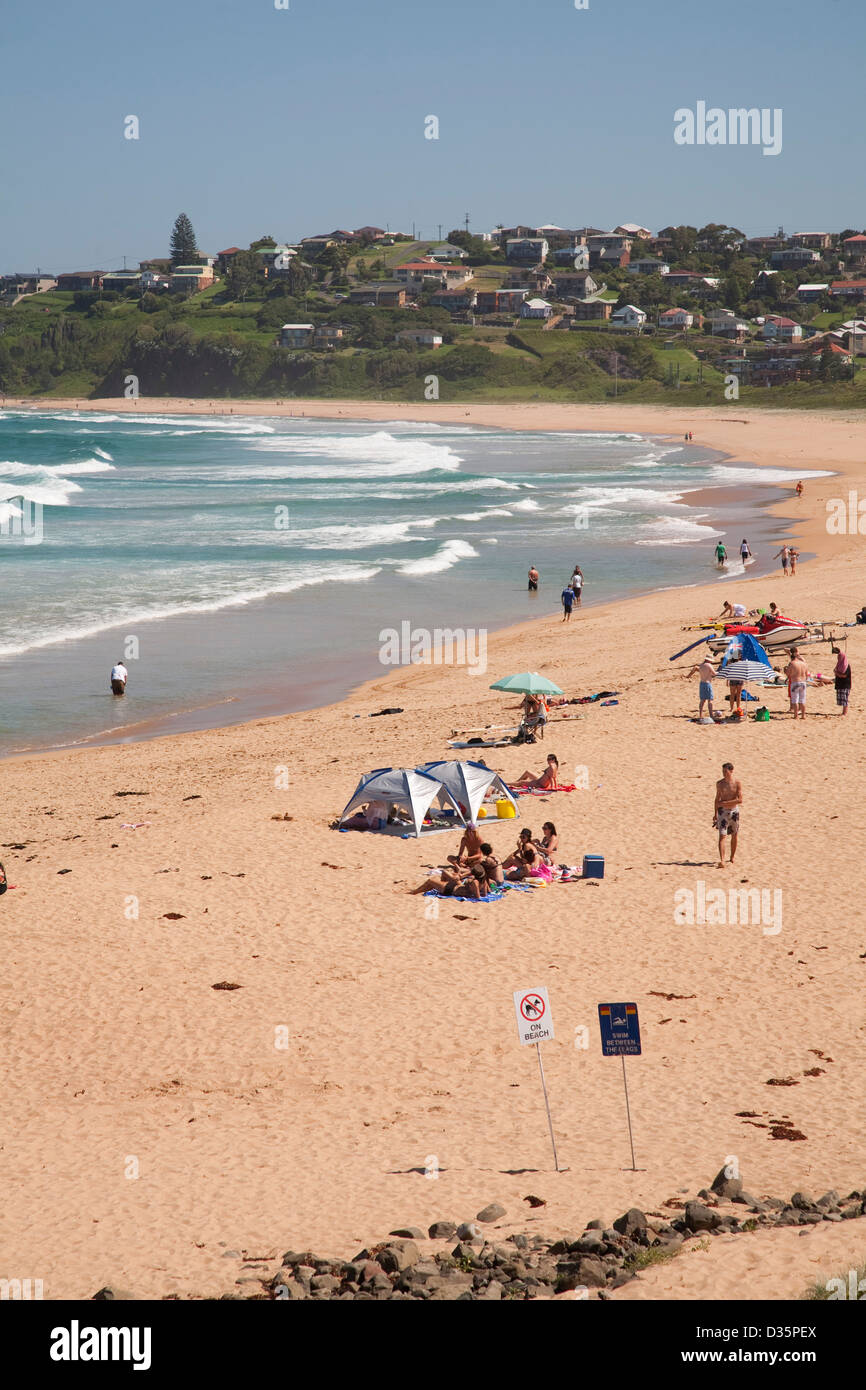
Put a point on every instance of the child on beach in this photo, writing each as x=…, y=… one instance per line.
x=567, y=597
x=706, y=670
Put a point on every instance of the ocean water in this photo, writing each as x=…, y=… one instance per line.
x=246, y=566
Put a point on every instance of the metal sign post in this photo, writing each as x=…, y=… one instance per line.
x=535, y=1025
x=620, y=1037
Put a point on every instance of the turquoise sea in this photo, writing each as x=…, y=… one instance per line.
x=249, y=565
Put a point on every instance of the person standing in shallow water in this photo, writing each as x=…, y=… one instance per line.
x=533, y=580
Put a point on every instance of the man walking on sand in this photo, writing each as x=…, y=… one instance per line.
x=726, y=810
x=797, y=673
x=706, y=670
x=567, y=597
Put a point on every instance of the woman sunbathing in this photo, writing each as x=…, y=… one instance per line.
x=516, y=857
x=547, y=781
x=450, y=884
x=548, y=843
x=492, y=866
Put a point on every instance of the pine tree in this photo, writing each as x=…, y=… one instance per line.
x=183, y=248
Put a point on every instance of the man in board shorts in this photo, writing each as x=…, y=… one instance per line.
x=797, y=673
x=726, y=810
x=784, y=552
x=533, y=579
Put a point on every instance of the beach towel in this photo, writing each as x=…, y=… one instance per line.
x=479, y=743
x=455, y=897
x=541, y=791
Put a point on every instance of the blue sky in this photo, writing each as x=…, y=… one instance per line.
x=291, y=122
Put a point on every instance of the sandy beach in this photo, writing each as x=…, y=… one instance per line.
x=152, y=1123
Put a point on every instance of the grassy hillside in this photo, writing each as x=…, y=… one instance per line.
x=57, y=344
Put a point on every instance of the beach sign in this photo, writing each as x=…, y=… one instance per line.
x=620, y=1030
x=620, y=1037
x=535, y=1025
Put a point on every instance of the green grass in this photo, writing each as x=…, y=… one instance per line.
x=818, y=1292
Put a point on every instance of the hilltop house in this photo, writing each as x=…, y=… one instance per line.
x=370, y=233
x=575, y=256
x=854, y=248
x=629, y=316
x=848, y=289
x=634, y=230
x=122, y=280
x=677, y=319
x=816, y=241
x=15, y=287
x=328, y=335
x=781, y=330
x=576, y=284
x=80, y=280
x=447, y=252
x=591, y=309
x=648, y=265
x=536, y=309
x=455, y=301
x=531, y=249
x=385, y=294
x=794, y=258
x=224, y=259
x=807, y=294
x=424, y=337
x=192, y=278
x=296, y=335
x=501, y=301
x=724, y=323
x=415, y=273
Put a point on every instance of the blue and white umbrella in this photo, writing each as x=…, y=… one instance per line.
x=747, y=671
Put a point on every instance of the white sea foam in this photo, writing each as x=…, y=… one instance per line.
x=358, y=537
x=676, y=530
x=447, y=555
x=377, y=455
x=526, y=505
x=158, y=612
x=724, y=474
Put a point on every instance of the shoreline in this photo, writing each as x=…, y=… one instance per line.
x=646, y=420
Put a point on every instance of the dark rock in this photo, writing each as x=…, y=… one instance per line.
x=595, y=1225
x=112, y=1294
x=811, y=1218
x=803, y=1202
x=468, y=1230
x=492, y=1212
x=399, y=1255
x=704, y=1195
x=829, y=1201
x=409, y=1233
x=591, y=1272
x=323, y=1283
x=701, y=1218
x=466, y=1252
x=729, y=1188
x=292, y=1290
x=775, y=1203
x=492, y=1293
x=848, y=1213
x=291, y=1257
x=590, y=1243
x=442, y=1230
x=370, y=1270
x=520, y=1242
x=832, y=1216
x=624, y=1277
x=632, y=1224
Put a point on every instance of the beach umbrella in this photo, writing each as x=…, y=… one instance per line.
x=527, y=683
x=747, y=671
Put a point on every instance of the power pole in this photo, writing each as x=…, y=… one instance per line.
x=466, y=221
x=440, y=231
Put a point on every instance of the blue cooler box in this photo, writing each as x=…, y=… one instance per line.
x=593, y=866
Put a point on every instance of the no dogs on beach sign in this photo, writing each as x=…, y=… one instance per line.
x=534, y=1022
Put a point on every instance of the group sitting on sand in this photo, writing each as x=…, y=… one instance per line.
x=474, y=871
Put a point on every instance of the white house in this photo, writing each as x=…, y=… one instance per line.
x=648, y=265
x=629, y=316
x=424, y=337
x=780, y=330
x=633, y=229
x=676, y=318
x=536, y=309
